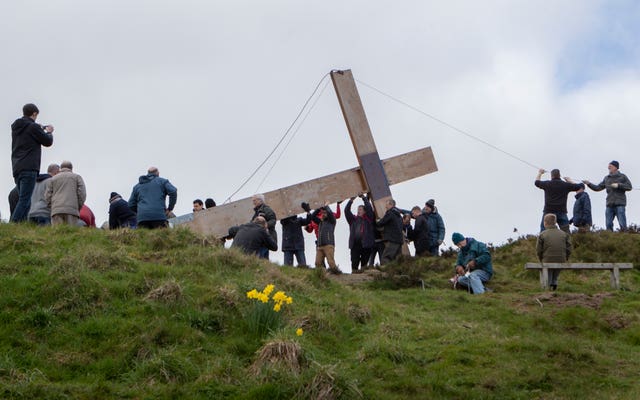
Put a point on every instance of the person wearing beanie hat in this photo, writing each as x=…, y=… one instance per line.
x=473, y=266
x=120, y=215
x=435, y=226
x=556, y=192
x=582, y=211
x=616, y=184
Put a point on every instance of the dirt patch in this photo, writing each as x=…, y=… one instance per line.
x=571, y=300
x=355, y=279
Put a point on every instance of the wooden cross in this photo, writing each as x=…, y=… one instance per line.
x=373, y=176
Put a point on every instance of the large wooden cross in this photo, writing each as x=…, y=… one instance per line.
x=373, y=176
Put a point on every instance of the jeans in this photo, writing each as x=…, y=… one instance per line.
x=476, y=280
x=288, y=257
x=25, y=182
x=359, y=256
x=618, y=212
x=563, y=221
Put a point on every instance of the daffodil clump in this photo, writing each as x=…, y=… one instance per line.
x=265, y=315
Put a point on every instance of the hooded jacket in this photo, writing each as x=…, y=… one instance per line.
x=39, y=207
x=65, y=193
x=582, y=210
x=477, y=251
x=148, y=198
x=392, y=226
x=27, y=137
x=361, y=228
x=436, y=227
x=292, y=239
x=615, y=196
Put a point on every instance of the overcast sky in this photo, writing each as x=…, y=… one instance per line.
x=204, y=90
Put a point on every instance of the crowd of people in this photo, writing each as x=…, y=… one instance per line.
x=58, y=196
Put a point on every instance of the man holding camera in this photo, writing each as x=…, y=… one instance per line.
x=473, y=266
x=27, y=137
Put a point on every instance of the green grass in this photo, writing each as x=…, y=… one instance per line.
x=86, y=314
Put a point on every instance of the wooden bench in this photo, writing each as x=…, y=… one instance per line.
x=613, y=267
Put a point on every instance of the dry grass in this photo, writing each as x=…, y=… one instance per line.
x=168, y=292
x=280, y=354
x=325, y=385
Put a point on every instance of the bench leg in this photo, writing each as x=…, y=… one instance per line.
x=544, y=278
x=615, y=278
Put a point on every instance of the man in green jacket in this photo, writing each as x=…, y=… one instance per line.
x=473, y=266
x=554, y=246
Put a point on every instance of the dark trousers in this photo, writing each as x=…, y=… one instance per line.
x=41, y=221
x=359, y=256
x=153, y=224
x=378, y=249
x=25, y=182
x=391, y=252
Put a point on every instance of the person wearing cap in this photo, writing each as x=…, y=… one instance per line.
x=616, y=184
x=582, y=211
x=148, y=200
x=473, y=266
x=553, y=246
x=120, y=215
x=435, y=226
x=556, y=192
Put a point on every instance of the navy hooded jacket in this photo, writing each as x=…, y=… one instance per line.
x=148, y=198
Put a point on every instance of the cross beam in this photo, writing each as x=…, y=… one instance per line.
x=373, y=176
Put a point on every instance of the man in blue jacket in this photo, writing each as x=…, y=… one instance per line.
x=27, y=137
x=435, y=226
x=148, y=199
x=473, y=266
x=582, y=211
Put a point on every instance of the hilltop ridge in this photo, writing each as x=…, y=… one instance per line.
x=89, y=314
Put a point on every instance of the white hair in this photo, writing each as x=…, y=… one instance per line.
x=259, y=196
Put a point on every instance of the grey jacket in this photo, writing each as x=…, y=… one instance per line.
x=65, y=193
x=615, y=196
x=39, y=206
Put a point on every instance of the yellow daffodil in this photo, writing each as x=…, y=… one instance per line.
x=299, y=331
x=268, y=289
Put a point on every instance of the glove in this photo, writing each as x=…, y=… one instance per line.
x=305, y=206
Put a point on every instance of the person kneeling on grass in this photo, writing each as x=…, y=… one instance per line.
x=473, y=266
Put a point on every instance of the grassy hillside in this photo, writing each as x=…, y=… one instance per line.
x=86, y=314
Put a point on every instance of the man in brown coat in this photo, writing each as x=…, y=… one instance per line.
x=554, y=246
x=65, y=194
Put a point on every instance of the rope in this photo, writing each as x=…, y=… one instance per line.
x=279, y=142
x=465, y=133
x=293, y=136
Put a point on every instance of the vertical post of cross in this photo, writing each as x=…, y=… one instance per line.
x=362, y=139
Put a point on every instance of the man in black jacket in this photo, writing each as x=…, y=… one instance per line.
x=27, y=137
x=392, y=233
x=252, y=237
x=293, y=240
x=419, y=233
x=555, y=197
